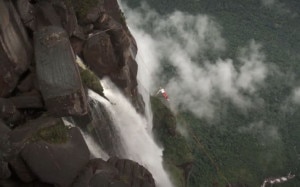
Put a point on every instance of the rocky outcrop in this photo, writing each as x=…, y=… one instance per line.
x=40, y=85
x=99, y=54
x=61, y=161
x=97, y=124
x=178, y=157
x=114, y=173
x=27, y=13
x=4, y=169
x=57, y=145
x=57, y=73
x=133, y=173
x=15, y=48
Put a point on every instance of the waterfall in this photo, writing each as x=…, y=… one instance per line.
x=95, y=150
x=132, y=128
x=144, y=85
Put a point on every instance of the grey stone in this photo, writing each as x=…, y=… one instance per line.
x=99, y=55
x=27, y=13
x=61, y=162
x=57, y=73
x=15, y=48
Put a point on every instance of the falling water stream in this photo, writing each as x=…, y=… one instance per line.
x=95, y=149
x=137, y=142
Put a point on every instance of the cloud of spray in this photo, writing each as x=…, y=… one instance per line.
x=296, y=95
x=265, y=133
x=268, y=2
x=181, y=40
x=279, y=7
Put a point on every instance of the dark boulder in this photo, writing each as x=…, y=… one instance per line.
x=20, y=168
x=88, y=175
x=135, y=174
x=27, y=13
x=57, y=73
x=4, y=130
x=28, y=82
x=28, y=100
x=55, y=13
x=67, y=15
x=22, y=135
x=79, y=33
x=19, y=138
x=87, y=10
x=4, y=146
x=77, y=45
x=46, y=149
x=125, y=50
x=92, y=15
x=61, y=162
x=15, y=48
x=120, y=79
x=118, y=35
x=83, y=178
x=100, y=180
x=46, y=15
x=99, y=54
x=98, y=165
x=99, y=173
x=113, y=9
x=14, y=183
x=8, y=111
x=4, y=170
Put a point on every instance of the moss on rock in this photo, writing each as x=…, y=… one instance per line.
x=176, y=149
x=55, y=134
x=90, y=80
x=163, y=118
x=82, y=7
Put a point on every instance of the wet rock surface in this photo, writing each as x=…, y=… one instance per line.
x=57, y=73
x=114, y=173
x=43, y=85
x=15, y=48
x=61, y=161
x=96, y=123
x=99, y=54
x=135, y=174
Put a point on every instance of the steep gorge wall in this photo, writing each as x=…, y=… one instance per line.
x=40, y=82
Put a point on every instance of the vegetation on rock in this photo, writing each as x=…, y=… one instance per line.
x=82, y=7
x=90, y=80
x=55, y=134
x=222, y=153
x=176, y=149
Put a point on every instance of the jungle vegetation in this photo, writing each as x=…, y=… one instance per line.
x=222, y=154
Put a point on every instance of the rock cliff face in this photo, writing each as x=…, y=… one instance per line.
x=41, y=82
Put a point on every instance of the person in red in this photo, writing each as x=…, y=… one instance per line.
x=163, y=93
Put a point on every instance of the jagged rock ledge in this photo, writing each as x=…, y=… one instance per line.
x=40, y=82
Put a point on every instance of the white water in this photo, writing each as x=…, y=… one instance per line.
x=94, y=148
x=131, y=126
